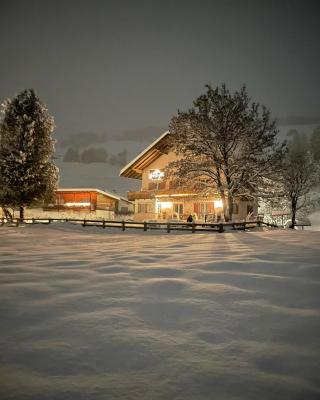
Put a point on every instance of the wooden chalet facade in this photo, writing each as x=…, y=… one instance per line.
x=88, y=201
x=159, y=199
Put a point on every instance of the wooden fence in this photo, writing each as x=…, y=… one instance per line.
x=167, y=226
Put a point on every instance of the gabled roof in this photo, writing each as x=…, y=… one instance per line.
x=146, y=157
x=103, y=192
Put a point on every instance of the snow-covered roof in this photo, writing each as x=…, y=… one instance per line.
x=103, y=192
x=146, y=157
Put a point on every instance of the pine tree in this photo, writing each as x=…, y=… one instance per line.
x=226, y=144
x=27, y=173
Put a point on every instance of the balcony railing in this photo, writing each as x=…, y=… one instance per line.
x=151, y=194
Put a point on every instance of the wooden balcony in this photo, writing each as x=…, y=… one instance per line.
x=151, y=194
x=142, y=194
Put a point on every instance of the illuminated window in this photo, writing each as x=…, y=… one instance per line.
x=178, y=208
x=204, y=208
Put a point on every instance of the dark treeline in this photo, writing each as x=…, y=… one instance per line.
x=95, y=155
x=301, y=143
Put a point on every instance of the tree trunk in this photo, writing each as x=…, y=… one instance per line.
x=293, y=213
x=7, y=214
x=21, y=211
x=230, y=207
x=224, y=205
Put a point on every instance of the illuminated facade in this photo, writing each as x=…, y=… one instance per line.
x=160, y=199
x=93, y=201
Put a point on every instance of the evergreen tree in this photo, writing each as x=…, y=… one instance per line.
x=27, y=173
x=226, y=144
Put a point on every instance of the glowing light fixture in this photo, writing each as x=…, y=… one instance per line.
x=156, y=175
x=166, y=204
x=77, y=204
x=163, y=204
x=217, y=203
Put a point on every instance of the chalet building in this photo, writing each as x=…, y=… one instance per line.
x=160, y=199
x=89, y=201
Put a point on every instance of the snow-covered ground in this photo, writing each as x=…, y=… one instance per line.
x=93, y=314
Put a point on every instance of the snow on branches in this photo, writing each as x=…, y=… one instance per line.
x=27, y=173
x=229, y=140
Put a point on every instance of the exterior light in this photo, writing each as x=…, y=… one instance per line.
x=77, y=204
x=163, y=204
x=218, y=203
x=166, y=204
x=156, y=175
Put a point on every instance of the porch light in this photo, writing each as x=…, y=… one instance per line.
x=166, y=204
x=217, y=203
x=163, y=204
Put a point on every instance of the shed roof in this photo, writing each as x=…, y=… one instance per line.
x=103, y=192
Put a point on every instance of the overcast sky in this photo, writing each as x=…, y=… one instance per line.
x=108, y=66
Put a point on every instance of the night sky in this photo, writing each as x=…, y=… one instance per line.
x=110, y=66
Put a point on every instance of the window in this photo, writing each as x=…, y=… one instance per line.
x=235, y=208
x=144, y=208
x=249, y=209
x=156, y=185
x=203, y=208
x=153, y=186
x=178, y=208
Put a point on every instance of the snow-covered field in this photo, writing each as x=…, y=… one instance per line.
x=92, y=314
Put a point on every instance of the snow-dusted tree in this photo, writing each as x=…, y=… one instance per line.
x=27, y=173
x=226, y=144
x=300, y=175
x=315, y=143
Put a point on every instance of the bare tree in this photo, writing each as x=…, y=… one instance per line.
x=300, y=174
x=226, y=144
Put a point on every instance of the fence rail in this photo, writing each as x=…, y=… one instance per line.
x=167, y=226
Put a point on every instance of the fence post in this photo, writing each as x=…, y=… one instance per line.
x=220, y=228
x=193, y=227
x=168, y=228
x=144, y=226
x=123, y=225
